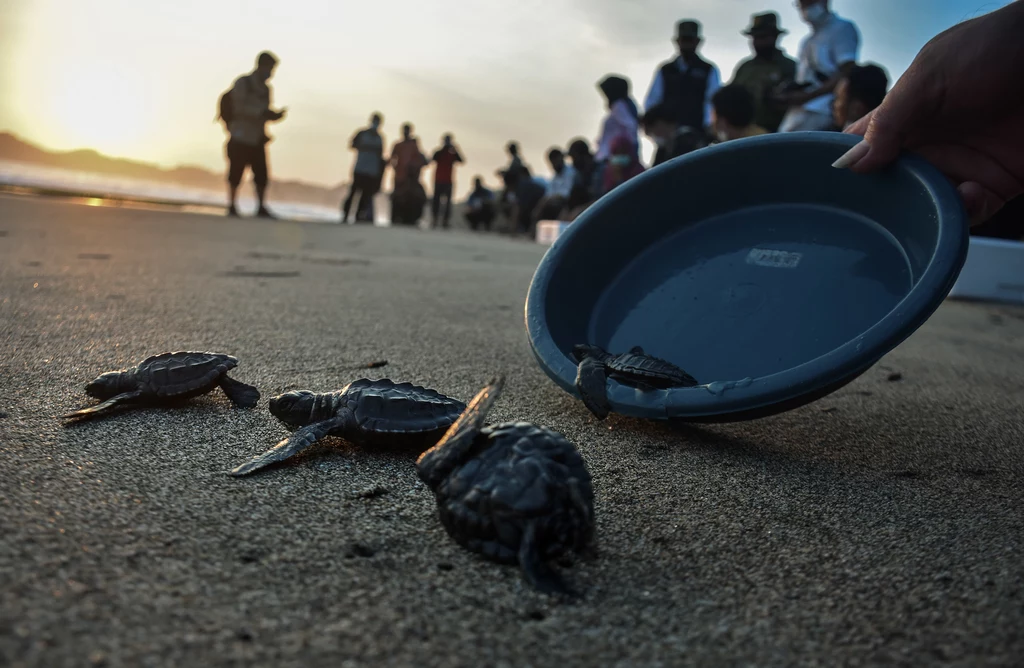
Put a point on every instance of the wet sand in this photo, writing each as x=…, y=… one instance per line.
x=883, y=524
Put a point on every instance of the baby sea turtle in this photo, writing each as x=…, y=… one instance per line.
x=370, y=412
x=167, y=378
x=513, y=492
x=635, y=368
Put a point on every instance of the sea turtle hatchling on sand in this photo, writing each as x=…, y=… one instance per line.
x=513, y=492
x=167, y=378
x=370, y=412
x=635, y=368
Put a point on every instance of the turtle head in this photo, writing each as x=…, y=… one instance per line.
x=294, y=408
x=581, y=351
x=110, y=385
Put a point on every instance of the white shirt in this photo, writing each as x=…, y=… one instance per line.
x=620, y=122
x=657, y=91
x=561, y=183
x=834, y=42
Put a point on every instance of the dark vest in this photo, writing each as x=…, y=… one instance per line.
x=685, y=92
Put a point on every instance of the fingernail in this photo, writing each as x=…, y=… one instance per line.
x=853, y=156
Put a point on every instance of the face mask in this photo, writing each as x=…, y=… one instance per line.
x=764, y=51
x=814, y=14
x=375, y=125
x=619, y=160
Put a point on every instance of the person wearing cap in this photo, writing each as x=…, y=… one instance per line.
x=765, y=70
x=826, y=56
x=685, y=84
x=246, y=147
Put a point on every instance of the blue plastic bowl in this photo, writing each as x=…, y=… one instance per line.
x=768, y=275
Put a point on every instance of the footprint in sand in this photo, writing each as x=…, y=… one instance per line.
x=248, y=273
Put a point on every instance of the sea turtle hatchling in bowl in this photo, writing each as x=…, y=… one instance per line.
x=635, y=368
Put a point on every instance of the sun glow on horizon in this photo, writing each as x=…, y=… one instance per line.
x=98, y=104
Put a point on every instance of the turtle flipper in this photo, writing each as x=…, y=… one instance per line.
x=103, y=408
x=435, y=464
x=537, y=573
x=297, y=442
x=591, y=384
x=242, y=395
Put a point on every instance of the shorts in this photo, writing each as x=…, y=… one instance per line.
x=241, y=156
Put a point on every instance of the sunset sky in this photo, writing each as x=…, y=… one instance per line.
x=141, y=79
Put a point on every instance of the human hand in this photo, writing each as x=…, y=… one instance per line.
x=960, y=105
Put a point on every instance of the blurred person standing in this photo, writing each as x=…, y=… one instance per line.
x=622, y=120
x=444, y=165
x=245, y=110
x=685, y=84
x=406, y=158
x=765, y=70
x=366, y=173
x=826, y=55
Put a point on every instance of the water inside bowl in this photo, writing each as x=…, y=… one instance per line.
x=756, y=291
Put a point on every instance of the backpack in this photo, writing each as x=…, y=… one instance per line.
x=224, y=111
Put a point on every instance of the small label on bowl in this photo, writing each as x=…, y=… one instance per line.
x=773, y=258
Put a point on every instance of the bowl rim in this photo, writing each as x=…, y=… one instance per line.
x=797, y=385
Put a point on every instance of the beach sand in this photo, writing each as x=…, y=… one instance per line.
x=881, y=525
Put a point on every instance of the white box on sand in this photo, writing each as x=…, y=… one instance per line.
x=549, y=230
x=994, y=271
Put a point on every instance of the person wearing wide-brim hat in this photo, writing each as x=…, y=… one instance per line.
x=767, y=69
x=685, y=84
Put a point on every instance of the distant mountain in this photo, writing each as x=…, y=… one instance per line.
x=15, y=149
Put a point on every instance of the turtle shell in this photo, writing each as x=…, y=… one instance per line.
x=521, y=473
x=183, y=374
x=402, y=413
x=652, y=370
